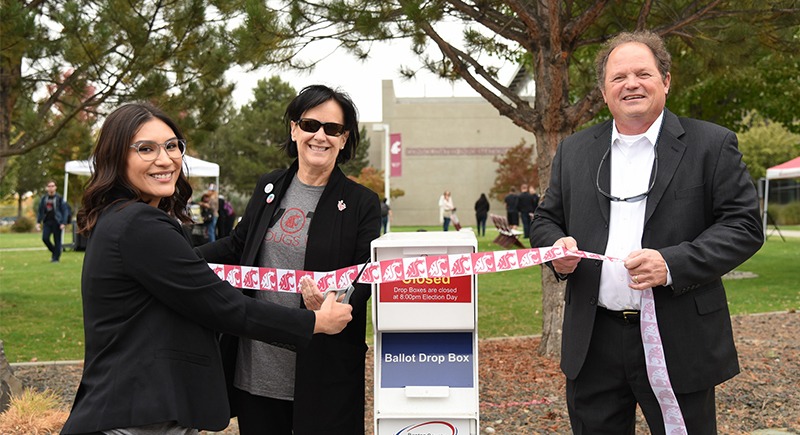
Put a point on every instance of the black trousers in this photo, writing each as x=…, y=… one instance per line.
x=52, y=229
x=526, y=224
x=613, y=380
x=259, y=415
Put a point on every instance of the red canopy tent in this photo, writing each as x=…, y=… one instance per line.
x=790, y=169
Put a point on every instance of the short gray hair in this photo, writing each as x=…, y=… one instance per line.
x=654, y=42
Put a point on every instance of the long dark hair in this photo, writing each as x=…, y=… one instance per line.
x=312, y=96
x=108, y=183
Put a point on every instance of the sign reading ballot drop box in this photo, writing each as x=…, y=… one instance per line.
x=432, y=359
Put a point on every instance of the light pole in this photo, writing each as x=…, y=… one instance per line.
x=386, y=163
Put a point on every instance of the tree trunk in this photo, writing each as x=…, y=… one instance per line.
x=556, y=128
x=552, y=314
x=10, y=76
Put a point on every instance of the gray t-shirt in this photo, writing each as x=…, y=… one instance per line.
x=262, y=369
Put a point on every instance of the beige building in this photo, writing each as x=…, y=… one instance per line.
x=446, y=144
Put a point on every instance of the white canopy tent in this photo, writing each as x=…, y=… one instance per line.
x=790, y=169
x=194, y=168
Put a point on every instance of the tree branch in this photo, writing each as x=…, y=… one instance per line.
x=586, y=19
x=518, y=112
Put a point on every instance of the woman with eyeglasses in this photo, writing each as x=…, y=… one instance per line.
x=151, y=306
x=307, y=217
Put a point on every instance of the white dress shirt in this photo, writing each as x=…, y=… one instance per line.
x=631, y=166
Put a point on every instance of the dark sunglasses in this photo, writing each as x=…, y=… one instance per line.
x=636, y=198
x=312, y=126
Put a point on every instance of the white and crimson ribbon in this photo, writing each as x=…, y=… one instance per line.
x=453, y=265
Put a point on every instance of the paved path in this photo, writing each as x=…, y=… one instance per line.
x=773, y=234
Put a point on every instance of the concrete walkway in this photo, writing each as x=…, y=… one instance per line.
x=773, y=234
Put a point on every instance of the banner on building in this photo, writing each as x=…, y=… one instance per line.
x=396, y=155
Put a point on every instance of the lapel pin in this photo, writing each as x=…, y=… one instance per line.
x=341, y=205
x=268, y=188
x=270, y=198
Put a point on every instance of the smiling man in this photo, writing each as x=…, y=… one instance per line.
x=672, y=198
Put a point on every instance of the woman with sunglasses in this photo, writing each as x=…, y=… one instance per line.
x=307, y=217
x=151, y=306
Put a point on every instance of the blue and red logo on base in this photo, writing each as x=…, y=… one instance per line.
x=433, y=427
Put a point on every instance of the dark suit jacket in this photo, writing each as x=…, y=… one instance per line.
x=151, y=307
x=330, y=370
x=702, y=216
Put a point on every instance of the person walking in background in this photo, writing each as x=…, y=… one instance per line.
x=222, y=220
x=525, y=208
x=446, y=209
x=386, y=215
x=307, y=217
x=512, y=202
x=481, y=213
x=52, y=216
x=207, y=215
x=534, y=197
x=213, y=205
x=671, y=197
x=151, y=306
x=230, y=220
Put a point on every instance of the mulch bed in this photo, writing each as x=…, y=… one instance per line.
x=523, y=393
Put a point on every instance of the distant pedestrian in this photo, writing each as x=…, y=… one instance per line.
x=525, y=208
x=226, y=217
x=213, y=204
x=446, y=209
x=534, y=197
x=481, y=213
x=512, y=214
x=386, y=215
x=51, y=218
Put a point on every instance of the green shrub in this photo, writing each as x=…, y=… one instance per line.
x=787, y=214
x=23, y=225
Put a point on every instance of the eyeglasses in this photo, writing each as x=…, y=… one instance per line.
x=149, y=150
x=636, y=198
x=312, y=126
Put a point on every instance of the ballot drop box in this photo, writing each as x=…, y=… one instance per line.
x=426, y=337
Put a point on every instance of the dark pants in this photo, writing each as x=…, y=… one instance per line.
x=513, y=218
x=54, y=229
x=603, y=398
x=259, y=415
x=481, y=225
x=384, y=223
x=526, y=223
x=446, y=224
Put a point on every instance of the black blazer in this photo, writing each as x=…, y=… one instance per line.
x=151, y=307
x=702, y=216
x=331, y=369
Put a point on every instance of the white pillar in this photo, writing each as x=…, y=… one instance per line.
x=386, y=165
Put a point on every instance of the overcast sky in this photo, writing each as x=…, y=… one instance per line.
x=362, y=80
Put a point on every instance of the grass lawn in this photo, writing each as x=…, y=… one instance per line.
x=40, y=304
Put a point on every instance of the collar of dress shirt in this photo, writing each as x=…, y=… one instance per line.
x=651, y=134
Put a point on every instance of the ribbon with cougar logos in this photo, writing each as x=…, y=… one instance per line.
x=453, y=265
x=656, y=366
x=398, y=269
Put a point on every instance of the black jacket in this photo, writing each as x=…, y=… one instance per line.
x=701, y=215
x=151, y=307
x=330, y=370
